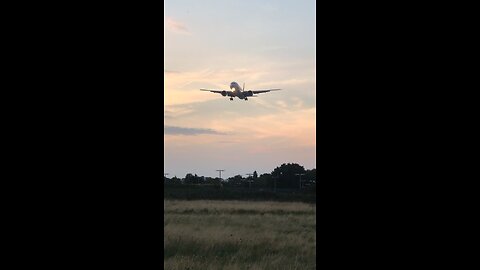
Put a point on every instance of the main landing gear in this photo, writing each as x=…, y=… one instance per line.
x=231, y=98
x=246, y=99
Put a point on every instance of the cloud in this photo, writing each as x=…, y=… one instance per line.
x=176, y=26
x=296, y=79
x=177, y=111
x=170, y=71
x=172, y=130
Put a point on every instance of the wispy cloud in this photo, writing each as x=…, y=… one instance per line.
x=172, y=130
x=176, y=26
x=273, y=48
x=170, y=71
x=294, y=78
x=177, y=111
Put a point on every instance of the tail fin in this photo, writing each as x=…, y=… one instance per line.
x=243, y=86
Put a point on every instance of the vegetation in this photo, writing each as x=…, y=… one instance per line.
x=258, y=222
x=239, y=235
x=289, y=176
x=289, y=182
x=214, y=192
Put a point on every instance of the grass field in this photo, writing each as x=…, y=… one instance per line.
x=239, y=235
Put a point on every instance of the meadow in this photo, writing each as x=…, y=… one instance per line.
x=214, y=234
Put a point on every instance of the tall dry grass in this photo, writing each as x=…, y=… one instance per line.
x=239, y=235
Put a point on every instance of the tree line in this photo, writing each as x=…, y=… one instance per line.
x=285, y=176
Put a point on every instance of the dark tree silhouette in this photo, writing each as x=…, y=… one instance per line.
x=284, y=176
x=193, y=179
x=236, y=181
x=287, y=175
x=311, y=175
x=264, y=180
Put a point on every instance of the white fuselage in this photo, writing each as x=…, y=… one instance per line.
x=237, y=90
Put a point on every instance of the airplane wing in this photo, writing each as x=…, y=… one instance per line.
x=263, y=91
x=213, y=91
x=221, y=92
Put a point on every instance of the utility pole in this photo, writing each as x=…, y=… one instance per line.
x=300, y=174
x=220, y=172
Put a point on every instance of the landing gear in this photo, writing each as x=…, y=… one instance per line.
x=246, y=98
x=231, y=98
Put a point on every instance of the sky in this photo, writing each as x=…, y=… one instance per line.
x=264, y=44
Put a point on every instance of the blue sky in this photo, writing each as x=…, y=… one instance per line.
x=266, y=44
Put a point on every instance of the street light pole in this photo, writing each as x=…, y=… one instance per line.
x=300, y=174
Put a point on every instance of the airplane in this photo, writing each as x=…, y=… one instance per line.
x=239, y=92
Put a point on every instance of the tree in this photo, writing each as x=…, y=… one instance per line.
x=193, y=179
x=286, y=174
x=237, y=180
x=311, y=175
x=189, y=179
x=174, y=181
x=255, y=175
x=264, y=180
x=177, y=181
x=212, y=181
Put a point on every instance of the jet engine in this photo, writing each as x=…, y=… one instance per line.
x=249, y=93
x=224, y=93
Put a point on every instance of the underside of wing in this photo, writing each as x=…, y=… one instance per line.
x=263, y=91
x=213, y=91
x=221, y=92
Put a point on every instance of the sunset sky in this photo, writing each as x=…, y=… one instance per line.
x=264, y=44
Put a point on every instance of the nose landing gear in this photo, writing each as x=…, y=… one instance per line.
x=246, y=99
x=231, y=98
